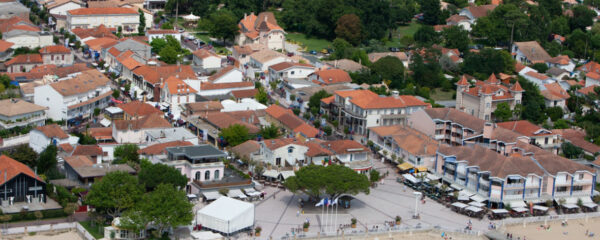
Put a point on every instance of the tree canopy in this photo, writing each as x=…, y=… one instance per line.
x=151, y=175
x=24, y=154
x=349, y=28
x=126, y=153
x=503, y=112
x=314, y=102
x=47, y=160
x=222, y=24
x=235, y=134
x=114, y=193
x=333, y=181
x=269, y=132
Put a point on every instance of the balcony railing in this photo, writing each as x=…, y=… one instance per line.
x=513, y=185
x=22, y=122
x=513, y=197
x=582, y=182
x=562, y=194
x=581, y=193
x=460, y=182
x=484, y=182
x=565, y=183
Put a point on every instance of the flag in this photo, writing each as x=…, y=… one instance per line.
x=322, y=202
x=335, y=201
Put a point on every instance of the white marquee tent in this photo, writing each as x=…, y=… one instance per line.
x=226, y=215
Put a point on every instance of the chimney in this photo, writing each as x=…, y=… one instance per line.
x=245, y=15
x=395, y=94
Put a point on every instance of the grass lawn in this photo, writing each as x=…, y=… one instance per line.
x=408, y=30
x=440, y=95
x=204, y=37
x=316, y=44
x=98, y=233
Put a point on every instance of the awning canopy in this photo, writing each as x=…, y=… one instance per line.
x=236, y=193
x=433, y=177
x=476, y=204
x=477, y=198
x=464, y=195
x=459, y=205
x=540, y=208
x=575, y=200
x=421, y=169
x=105, y=122
x=570, y=206
x=287, y=174
x=211, y=195
x=589, y=205
x=191, y=17
x=516, y=204
x=270, y=173
x=456, y=186
x=499, y=211
x=473, y=209
x=520, y=209
x=410, y=178
x=249, y=190
x=405, y=166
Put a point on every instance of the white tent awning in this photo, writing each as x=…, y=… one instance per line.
x=499, y=211
x=105, y=122
x=270, y=173
x=476, y=204
x=590, y=205
x=456, y=186
x=477, y=198
x=459, y=205
x=226, y=215
x=287, y=174
x=473, y=209
x=540, y=208
x=516, y=204
x=570, y=206
x=236, y=193
x=410, y=178
x=211, y=195
x=520, y=209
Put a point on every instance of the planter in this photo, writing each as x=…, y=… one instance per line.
x=397, y=222
x=305, y=229
x=353, y=225
x=257, y=234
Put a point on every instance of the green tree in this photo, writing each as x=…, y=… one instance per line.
x=142, y=26
x=561, y=124
x=24, y=154
x=349, y=27
x=126, y=153
x=47, y=160
x=165, y=207
x=533, y=102
x=115, y=193
x=503, y=112
x=269, y=132
x=262, y=96
x=333, y=181
x=374, y=175
x=151, y=175
x=168, y=55
x=158, y=44
x=540, y=67
x=341, y=49
x=223, y=25
x=488, y=61
x=431, y=11
x=582, y=17
x=554, y=113
x=560, y=25
x=456, y=37
x=167, y=25
x=314, y=102
x=116, y=94
x=235, y=134
x=426, y=36
x=389, y=68
x=571, y=151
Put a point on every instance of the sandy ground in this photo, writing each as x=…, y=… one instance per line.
x=61, y=236
x=575, y=229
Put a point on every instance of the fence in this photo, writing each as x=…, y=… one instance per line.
x=405, y=231
x=49, y=228
x=528, y=220
x=14, y=141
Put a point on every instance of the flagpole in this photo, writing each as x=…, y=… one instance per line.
x=326, y=215
x=322, y=207
x=336, y=208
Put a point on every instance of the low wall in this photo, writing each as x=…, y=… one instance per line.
x=18, y=232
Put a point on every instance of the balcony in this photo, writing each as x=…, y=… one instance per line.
x=21, y=122
x=581, y=193
x=460, y=182
x=513, y=197
x=531, y=196
x=562, y=194
x=484, y=182
x=513, y=186
x=439, y=136
x=562, y=183
x=582, y=182
x=450, y=166
x=534, y=184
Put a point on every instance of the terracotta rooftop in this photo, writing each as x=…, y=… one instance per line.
x=139, y=109
x=265, y=55
x=79, y=161
x=32, y=58
x=533, y=51
x=13, y=168
x=366, y=99
x=154, y=74
x=177, y=86
x=481, y=11
x=147, y=122
x=248, y=93
x=102, y=11
x=101, y=133
x=15, y=107
x=554, y=92
x=346, y=65
x=52, y=131
x=230, y=85
x=591, y=66
x=86, y=81
x=4, y=45
x=54, y=49
x=587, y=90
x=561, y=60
x=525, y=128
x=97, y=32
x=159, y=148
x=577, y=138
x=246, y=148
x=226, y=119
x=537, y=75
x=286, y=65
x=162, y=31
x=98, y=44
x=251, y=25
x=345, y=146
x=276, y=110
x=200, y=107
x=87, y=150
x=456, y=116
x=203, y=53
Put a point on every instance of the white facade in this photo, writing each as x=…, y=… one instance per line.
x=129, y=22
x=295, y=72
x=222, y=91
x=233, y=75
x=58, y=59
x=264, y=66
x=177, y=99
x=67, y=107
x=28, y=39
x=131, y=135
x=38, y=141
x=62, y=9
x=284, y=155
x=209, y=62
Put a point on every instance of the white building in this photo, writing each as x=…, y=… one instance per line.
x=290, y=70
x=75, y=97
x=159, y=136
x=351, y=153
x=263, y=59
x=17, y=112
x=262, y=29
x=58, y=55
x=176, y=92
x=41, y=137
x=283, y=152
x=562, y=62
x=134, y=131
x=228, y=74
x=127, y=18
x=214, y=89
x=162, y=33
x=61, y=7
x=207, y=59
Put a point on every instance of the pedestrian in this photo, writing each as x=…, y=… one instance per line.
x=298, y=213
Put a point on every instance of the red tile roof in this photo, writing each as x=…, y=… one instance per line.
x=332, y=76
x=13, y=168
x=154, y=74
x=525, y=127
x=54, y=49
x=87, y=150
x=33, y=58
x=162, y=31
x=328, y=100
x=516, y=87
x=203, y=53
x=177, y=86
x=537, y=75
x=97, y=32
x=276, y=111
x=79, y=161
x=248, y=93
x=103, y=133
x=215, y=86
x=102, y=11
x=554, y=92
x=160, y=148
x=52, y=131
x=4, y=45
x=366, y=99
x=590, y=67
x=463, y=81
x=138, y=109
x=148, y=122
x=98, y=43
x=561, y=60
x=285, y=65
x=587, y=90
x=345, y=146
x=592, y=75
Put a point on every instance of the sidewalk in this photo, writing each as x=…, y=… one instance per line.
x=77, y=217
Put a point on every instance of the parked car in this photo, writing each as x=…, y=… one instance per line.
x=313, y=52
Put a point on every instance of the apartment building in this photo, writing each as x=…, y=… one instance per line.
x=75, y=97
x=175, y=92
x=538, y=136
x=58, y=55
x=201, y=163
x=149, y=78
x=361, y=109
x=17, y=112
x=126, y=18
x=482, y=99
x=406, y=144
x=528, y=174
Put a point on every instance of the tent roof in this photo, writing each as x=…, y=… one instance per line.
x=226, y=208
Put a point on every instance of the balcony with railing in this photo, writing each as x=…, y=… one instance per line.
x=513, y=186
x=21, y=121
x=581, y=193
x=460, y=181
x=562, y=183
x=484, y=182
x=513, y=197
x=582, y=182
x=532, y=184
x=562, y=194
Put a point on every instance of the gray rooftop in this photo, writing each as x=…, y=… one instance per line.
x=100, y=170
x=170, y=134
x=197, y=152
x=11, y=9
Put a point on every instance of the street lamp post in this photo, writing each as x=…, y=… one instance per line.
x=417, y=195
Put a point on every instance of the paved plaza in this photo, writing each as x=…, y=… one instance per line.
x=278, y=214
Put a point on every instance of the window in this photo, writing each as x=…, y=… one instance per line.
x=216, y=175
x=277, y=161
x=546, y=140
x=290, y=149
x=487, y=105
x=206, y=175
x=581, y=176
x=518, y=101
x=487, y=117
x=292, y=72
